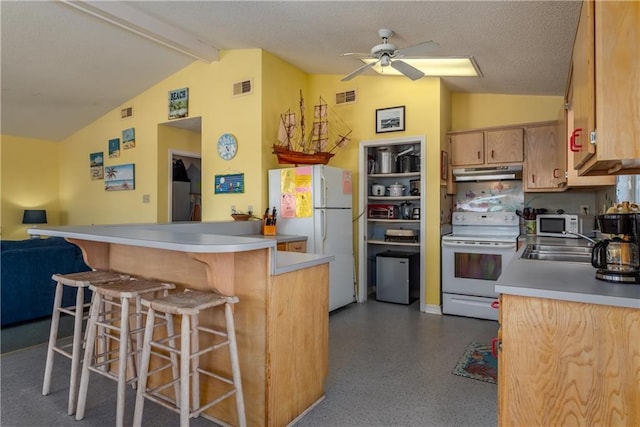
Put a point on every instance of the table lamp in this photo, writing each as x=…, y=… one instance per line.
x=34, y=216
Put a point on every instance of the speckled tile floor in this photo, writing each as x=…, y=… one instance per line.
x=389, y=365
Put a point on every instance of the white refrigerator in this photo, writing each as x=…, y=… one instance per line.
x=316, y=201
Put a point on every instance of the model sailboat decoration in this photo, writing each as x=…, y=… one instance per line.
x=328, y=133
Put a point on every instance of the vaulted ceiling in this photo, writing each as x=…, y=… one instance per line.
x=62, y=68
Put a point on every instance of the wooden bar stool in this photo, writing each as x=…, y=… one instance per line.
x=72, y=351
x=115, y=325
x=188, y=305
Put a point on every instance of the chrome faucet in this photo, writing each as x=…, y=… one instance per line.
x=580, y=235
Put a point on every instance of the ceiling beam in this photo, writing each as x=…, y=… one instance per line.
x=131, y=19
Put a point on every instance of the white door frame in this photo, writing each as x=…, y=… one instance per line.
x=363, y=192
x=172, y=153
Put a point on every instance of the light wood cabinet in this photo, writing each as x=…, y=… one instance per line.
x=295, y=246
x=486, y=147
x=604, y=89
x=504, y=146
x=545, y=158
x=566, y=126
x=567, y=363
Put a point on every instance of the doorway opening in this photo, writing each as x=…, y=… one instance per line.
x=185, y=189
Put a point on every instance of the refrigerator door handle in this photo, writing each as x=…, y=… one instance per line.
x=323, y=192
x=323, y=213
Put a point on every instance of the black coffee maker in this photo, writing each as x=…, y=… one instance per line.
x=618, y=259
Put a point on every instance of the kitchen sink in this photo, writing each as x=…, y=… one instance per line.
x=557, y=253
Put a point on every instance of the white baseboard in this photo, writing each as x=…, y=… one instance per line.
x=433, y=309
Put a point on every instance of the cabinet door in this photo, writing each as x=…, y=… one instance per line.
x=545, y=158
x=467, y=149
x=583, y=89
x=567, y=363
x=617, y=85
x=504, y=146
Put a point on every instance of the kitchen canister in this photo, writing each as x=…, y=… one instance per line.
x=386, y=160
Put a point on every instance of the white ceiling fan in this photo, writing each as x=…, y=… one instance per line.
x=387, y=54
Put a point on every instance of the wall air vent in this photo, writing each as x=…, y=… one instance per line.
x=346, y=97
x=125, y=113
x=244, y=87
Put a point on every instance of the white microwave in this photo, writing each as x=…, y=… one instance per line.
x=555, y=225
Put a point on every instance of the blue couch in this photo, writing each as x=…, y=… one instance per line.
x=27, y=290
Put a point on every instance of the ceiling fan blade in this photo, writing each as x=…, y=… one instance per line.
x=418, y=49
x=358, y=71
x=408, y=70
x=358, y=54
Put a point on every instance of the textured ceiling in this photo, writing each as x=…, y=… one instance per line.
x=63, y=68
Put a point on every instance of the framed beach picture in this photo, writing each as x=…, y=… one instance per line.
x=179, y=103
x=444, y=165
x=128, y=138
x=96, y=165
x=114, y=148
x=120, y=177
x=226, y=184
x=390, y=119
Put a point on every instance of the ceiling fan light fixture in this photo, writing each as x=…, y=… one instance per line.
x=459, y=66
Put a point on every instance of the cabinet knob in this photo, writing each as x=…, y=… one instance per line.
x=478, y=155
x=496, y=344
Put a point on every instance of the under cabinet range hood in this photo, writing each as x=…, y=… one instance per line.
x=488, y=173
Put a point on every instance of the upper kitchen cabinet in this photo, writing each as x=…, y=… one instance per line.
x=604, y=89
x=486, y=147
x=545, y=158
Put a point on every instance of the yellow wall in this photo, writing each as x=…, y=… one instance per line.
x=28, y=180
x=431, y=110
x=211, y=98
x=473, y=110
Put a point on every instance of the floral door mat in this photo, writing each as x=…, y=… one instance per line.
x=478, y=363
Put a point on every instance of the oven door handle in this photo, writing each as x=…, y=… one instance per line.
x=492, y=245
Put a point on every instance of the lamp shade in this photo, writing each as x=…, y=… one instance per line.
x=34, y=216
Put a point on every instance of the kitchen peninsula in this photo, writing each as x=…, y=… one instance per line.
x=570, y=352
x=281, y=320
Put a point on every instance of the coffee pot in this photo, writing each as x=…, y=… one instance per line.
x=616, y=254
x=617, y=259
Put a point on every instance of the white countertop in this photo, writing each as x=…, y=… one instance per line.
x=198, y=238
x=567, y=281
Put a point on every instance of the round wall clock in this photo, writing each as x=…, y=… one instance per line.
x=227, y=146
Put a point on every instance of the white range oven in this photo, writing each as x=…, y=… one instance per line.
x=473, y=257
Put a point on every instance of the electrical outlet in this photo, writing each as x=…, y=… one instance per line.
x=233, y=209
x=584, y=209
x=250, y=209
x=146, y=198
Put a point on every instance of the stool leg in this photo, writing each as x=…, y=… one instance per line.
x=144, y=368
x=184, y=371
x=235, y=364
x=122, y=361
x=174, y=357
x=88, y=350
x=53, y=337
x=76, y=349
x=195, y=363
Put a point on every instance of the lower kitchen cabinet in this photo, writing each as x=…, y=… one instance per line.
x=568, y=363
x=295, y=246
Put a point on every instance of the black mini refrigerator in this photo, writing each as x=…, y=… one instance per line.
x=397, y=276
